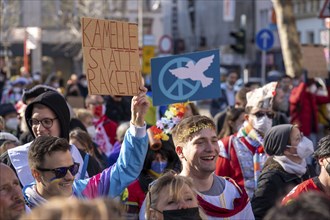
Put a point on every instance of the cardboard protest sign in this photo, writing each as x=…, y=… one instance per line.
x=111, y=57
x=76, y=101
x=314, y=61
x=186, y=77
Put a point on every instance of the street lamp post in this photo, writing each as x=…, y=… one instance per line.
x=140, y=22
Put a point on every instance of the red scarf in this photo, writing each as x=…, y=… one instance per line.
x=215, y=211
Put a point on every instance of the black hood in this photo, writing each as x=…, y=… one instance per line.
x=58, y=105
x=276, y=139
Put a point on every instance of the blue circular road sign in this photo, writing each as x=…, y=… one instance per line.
x=265, y=39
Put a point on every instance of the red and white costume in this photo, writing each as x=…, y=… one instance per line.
x=312, y=184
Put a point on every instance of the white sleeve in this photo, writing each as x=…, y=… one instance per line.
x=137, y=131
x=142, y=214
x=78, y=158
x=247, y=212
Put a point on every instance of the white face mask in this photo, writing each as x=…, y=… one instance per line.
x=305, y=148
x=12, y=123
x=91, y=131
x=262, y=124
x=56, y=85
x=17, y=90
x=313, y=88
x=83, y=83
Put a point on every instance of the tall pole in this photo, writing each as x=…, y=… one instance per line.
x=243, y=26
x=175, y=31
x=328, y=43
x=263, y=67
x=26, y=53
x=140, y=22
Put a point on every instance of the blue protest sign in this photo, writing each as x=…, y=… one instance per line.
x=265, y=39
x=186, y=77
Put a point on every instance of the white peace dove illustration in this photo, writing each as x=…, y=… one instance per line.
x=195, y=71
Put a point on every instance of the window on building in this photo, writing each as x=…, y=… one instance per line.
x=320, y=4
x=56, y=13
x=310, y=37
x=301, y=8
x=308, y=7
x=295, y=9
x=264, y=18
x=315, y=7
x=49, y=16
x=67, y=10
x=11, y=14
x=298, y=5
x=305, y=7
x=147, y=25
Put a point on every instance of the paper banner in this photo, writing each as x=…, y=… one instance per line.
x=111, y=57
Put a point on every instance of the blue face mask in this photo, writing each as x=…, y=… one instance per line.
x=158, y=167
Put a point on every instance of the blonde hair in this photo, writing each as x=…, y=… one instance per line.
x=82, y=113
x=2, y=123
x=121, y=131
x=175, y=185
x=73, y=208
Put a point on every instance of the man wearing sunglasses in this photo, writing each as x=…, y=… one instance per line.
x=54, y=169
x=241, y=155
x=319, y=183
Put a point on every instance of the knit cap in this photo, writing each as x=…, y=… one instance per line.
x=277, y=139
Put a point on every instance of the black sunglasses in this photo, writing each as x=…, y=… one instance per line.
x=62, y=171
x=262, y=114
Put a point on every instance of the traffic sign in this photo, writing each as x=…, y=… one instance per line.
x=325, y=11
x=165, y=44
x=265, y=39
x=148, y=52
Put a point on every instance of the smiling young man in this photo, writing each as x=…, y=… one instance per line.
x=241, y=155
x=54, y=169
x=12, y=204
x=197, y=146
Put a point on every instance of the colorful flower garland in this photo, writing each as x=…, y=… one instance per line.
x=172, y=116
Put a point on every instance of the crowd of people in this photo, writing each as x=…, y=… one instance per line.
x=263, y=153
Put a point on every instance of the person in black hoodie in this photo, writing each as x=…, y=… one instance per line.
x=28, y=96
x=47, y=114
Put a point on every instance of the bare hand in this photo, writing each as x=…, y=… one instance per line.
x=139, y=107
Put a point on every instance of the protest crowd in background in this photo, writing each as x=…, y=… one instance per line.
x=250, y=151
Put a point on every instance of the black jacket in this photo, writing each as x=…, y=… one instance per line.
x=273, y=184
x=219, y=104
